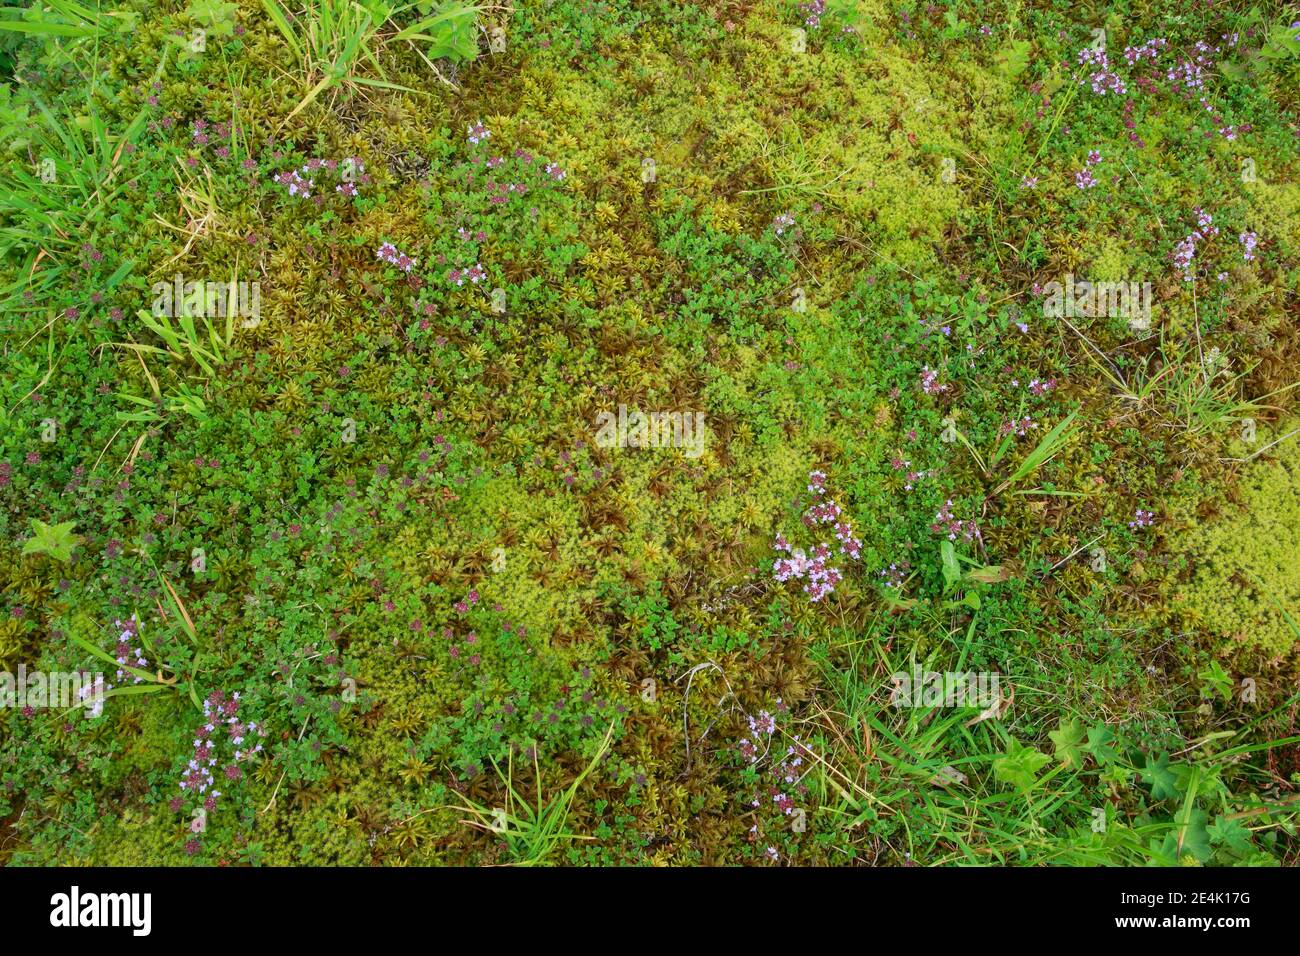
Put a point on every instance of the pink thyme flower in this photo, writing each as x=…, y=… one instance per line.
x=930, y=382
x=388, y=253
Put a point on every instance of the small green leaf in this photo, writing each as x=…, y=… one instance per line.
x=1230, y=833
x=1100, y=740
x=1066, y=741
x=951, y=567
x=1193, y=835
x=1019, y=765
x=1163, y=782
x=57, y=541
x=1013, y=59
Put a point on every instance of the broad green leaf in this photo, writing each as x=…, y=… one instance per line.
x=1194, y=836
x=1100, y=741
x=1163, y=781
x=1230, y=833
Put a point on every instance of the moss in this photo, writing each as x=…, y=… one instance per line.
x=1275, y=215
x=1243, y=565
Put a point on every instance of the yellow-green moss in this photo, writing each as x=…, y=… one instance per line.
x=1244, y=565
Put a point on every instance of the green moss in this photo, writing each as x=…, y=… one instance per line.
x=1244, y=570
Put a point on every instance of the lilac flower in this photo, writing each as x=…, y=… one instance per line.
x=763, y=724
x=1185, y=251
x=1102, y=79
x=946, y=523
x=821, y=577
x=930, y=382
x=296, y=182
x=1190, y=74
x=388, y=253
x=896, y=574
x=813, y=10
x=1084, y=179
x=478, y=133
x=125, y=654
x=1019, y=427
x=1147, y=51
x=1142, y=519
x=1248, y=242
x=475, y=274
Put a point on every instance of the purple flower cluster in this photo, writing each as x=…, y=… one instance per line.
x=1248, y=242
x=814, y=566
x=786, y=776
x=946, y=523
x=388, y=253
x=812, y=11
x=762, y=728
x=204, y=133
x=475, y=274
x=1142, y=519
x=930, y=382
x=913, y=476
x=1146, y=51
x=896, y=574
x=1018, y=426
x=478, y=133
x=1185, y=252
x=300, y=182
x=296, y=181
x=198, y=780
x=1102, y=79
x=126, y=655
x=1190, y=74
